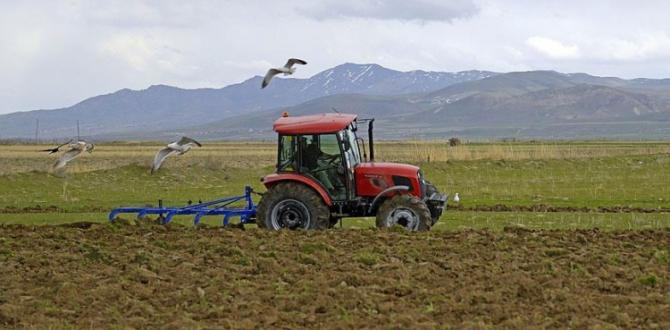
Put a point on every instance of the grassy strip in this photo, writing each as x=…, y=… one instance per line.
x=635, y=181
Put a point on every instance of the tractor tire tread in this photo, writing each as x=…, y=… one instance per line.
x=319, y=211
x=408, y=201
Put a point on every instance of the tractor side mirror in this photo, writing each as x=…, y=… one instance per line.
x=345, y=142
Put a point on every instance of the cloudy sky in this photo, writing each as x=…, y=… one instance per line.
x=56, y=53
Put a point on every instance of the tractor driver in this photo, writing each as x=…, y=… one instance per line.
x=320, y=164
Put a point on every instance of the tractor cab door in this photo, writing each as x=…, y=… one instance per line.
x=287, y=160
x=321, y=158
x=352, y=157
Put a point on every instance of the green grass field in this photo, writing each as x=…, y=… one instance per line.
x=578, y=175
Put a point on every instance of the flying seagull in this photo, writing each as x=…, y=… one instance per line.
x=57, y=149
x=287, y=69
x=178, y=147
x=76, y=149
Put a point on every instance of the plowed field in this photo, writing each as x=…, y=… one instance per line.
x=100, y=276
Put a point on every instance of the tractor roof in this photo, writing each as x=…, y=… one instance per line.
x=313, y=124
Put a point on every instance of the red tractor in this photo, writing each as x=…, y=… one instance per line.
x=321, y=178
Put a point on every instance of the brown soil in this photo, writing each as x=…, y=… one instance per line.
x=101, y=276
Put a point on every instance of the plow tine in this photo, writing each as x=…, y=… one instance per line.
x=196, y=219
x=226, y=219
x=112, y=215
x=168, y=218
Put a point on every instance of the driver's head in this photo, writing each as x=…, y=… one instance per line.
x=312, y=142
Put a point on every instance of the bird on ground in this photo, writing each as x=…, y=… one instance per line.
x=287, y=69
x=56, y=149
x=457, y=199
x=76, y=149
x=175, y=148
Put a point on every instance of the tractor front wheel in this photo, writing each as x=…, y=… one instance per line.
x=404, y=210
x=292, y=205
x=334, y=221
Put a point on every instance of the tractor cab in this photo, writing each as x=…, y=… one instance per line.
x=323, y=174
x=324, y=149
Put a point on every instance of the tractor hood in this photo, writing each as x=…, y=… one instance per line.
x=373, y=178
x=386, y=169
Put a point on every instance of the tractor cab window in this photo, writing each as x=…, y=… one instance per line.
x=288, y=159
x=321, y=158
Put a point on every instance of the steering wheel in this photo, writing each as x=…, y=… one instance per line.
x=331, y=160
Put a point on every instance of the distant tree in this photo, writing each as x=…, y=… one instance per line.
x=454, y=141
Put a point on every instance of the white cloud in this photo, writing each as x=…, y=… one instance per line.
x=134, y=50
x=514, y=53
x=553, y=48
x=646, y=47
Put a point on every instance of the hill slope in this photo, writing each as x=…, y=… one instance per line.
x=542, y=104
x=163, y=107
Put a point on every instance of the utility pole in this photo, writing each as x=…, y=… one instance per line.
x=78, y=138
x=37, y=131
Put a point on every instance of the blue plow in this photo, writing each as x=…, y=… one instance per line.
x=247, y=213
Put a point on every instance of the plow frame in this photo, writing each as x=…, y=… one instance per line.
x=247, y=214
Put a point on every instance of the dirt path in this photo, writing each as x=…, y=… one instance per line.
x=549, y=208
x=150, y=276
x=477, y=208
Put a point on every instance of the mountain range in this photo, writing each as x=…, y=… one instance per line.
x=414, y=104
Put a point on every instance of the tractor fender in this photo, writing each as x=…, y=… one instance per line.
x=383, y=193
x=273, y=179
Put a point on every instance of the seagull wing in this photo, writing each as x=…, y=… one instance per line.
x=268, y=76
x=292, y=61
x=56, y=149
x=64, y=144
x=67, y=157
x=160, y=157
x=186, y=140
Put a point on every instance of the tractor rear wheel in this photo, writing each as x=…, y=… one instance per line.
x=404, y=210
x=292, y=205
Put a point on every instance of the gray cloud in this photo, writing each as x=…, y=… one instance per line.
x=419, y=10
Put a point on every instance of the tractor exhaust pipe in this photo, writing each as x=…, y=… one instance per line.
x=372, y=143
